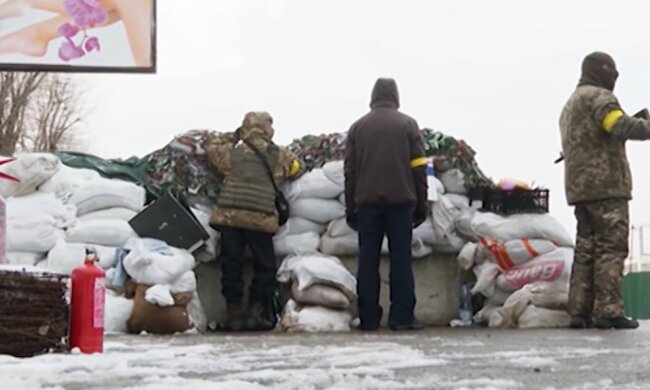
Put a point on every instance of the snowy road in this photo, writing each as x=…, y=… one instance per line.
x=432, y=359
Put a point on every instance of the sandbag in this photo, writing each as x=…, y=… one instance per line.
x=334, y=171
x=443, y=216
x=65, y=256
x=308, y=270
x=317, y=210
x=101, y=194
x=297, y=225
x=452, y=244
x=460, y=202
x=339, y=228
x=32, y=169
x=435, y=188
x=538, y=317
x=32, y=234
x=486, y=277
x=67, y=181
x=160, y=295
x=185, y=283
x=551, y=267
x=425, y=232
x=320, y=295
x=463, y=226
x=314, y=184
x=24, y=258
x=516, y=227
x=117, y=310
x=148, y=266
x=106, y=232
x=212, y=249
x=39, y=204
x=296, y=244
x=347, y=245
x=313, y=319
x=158, y=320
x=467, y=256
x=454, y=181
x=512, y=253
x=113, y=213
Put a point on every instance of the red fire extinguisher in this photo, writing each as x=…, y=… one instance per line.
x=87, y=306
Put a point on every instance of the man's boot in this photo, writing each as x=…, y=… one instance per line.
x=579, y=322
x=616, y=323
x=236, y=319
x=258, y=318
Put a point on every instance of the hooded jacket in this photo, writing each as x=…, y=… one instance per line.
x=594, y=130
x=384, y=162
x=247, y=198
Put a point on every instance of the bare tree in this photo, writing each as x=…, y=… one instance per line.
x=40, y=112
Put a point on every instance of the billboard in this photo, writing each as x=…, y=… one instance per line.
x=78, y=35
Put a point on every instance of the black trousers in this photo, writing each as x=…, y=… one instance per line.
x=374, y=222
x=233, y=242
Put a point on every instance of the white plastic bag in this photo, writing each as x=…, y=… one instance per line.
x=65, y=257
x=67, y=181
x=150, y=267
x=117, y=312
x=314, y=319
x=454, y=181
x=320, y=295
x=317, y=210
x=212, y=249
x=516, y=227
x=512, y=253
x=334, y=171
x=159, y=295
x=24, y=258
x=185, y=283
x=101, y=194
x=114, y=213
x=297, y=225
x=296, y=244
x=106, y=232
x=308, y=270
x=32, y=234
x=538, y=317
x=551, y=267
x=32, y=169
x=39, y=204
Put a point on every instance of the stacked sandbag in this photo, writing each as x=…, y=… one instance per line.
x=31, y=169
x=314, y=203
x=514, y=257
x=323, y=294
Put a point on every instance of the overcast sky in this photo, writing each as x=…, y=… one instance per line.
x=495, y=73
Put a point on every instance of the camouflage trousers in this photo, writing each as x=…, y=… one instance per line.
x=601, y=249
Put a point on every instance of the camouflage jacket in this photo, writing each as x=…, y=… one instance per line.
x=594, y=130
x=220, y=157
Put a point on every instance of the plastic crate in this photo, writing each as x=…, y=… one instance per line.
x=508, y=202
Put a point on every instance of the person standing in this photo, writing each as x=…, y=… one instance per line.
x=246, y=215
x=598, y=183
x=385, y=194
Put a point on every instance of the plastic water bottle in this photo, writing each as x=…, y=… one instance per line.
x=466, y=312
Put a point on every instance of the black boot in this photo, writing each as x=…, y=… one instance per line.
x=579, y=322
x=258, y=318
x=616, y=323
x=236, y=320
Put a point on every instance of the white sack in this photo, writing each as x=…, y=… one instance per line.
x=454, y=181
x=32, y=169
x=347, y=245
x=435, y=188
x=184, y=284
x=212, y=249
x=101, y=194
x=65, y=257
x=106, y=232
x=460, y=202
x=538, y=317
x=334, y=171
x=314, y=319
x=486, y=278
x=551, y=267
x=159, y=295
x=32, y=234
x=425, y=232
x=148, y=267
x=308, y=270
x=113, y=213
x=463, y=225
x=418, y=249
x=443, y=216
x=67, y=181
x=117, y=312
x=297, y=225
x=467, y=256
x=452, y=244
x=314, y=184
x=516, y=227
x=320, y=295
x=24, y=258
x=516, y=252
x=317, y=210
x=339, y=228
x=296, y=244
x=39, y=204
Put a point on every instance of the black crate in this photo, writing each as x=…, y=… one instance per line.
x=508, y=202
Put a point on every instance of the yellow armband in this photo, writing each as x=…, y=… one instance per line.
x=611, y=119
x=418, y=162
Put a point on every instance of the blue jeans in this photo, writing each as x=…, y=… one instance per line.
x=374, y=222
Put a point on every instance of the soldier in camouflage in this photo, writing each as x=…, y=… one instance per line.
x=594, y=130
x=246, y=215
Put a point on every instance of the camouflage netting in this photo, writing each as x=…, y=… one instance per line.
x=447, y=151
x=33, y=313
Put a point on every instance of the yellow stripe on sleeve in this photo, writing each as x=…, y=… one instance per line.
x=611, y=119
x=418, y=162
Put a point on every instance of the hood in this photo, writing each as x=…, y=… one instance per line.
x=257, y=127
x=385, y=94
x=599, y=70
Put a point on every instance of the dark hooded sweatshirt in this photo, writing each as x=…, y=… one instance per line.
x=384, y=162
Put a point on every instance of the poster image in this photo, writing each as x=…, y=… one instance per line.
x=78, y=35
